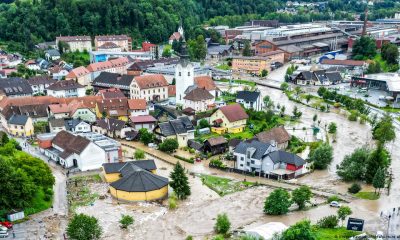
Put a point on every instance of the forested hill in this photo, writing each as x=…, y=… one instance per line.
x=30, y=21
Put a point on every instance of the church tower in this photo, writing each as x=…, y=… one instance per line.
x=184, y=73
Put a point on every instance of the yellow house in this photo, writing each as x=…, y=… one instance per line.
x=113, y=108
x=20, y=126
x=135, y=181
x=230, y=118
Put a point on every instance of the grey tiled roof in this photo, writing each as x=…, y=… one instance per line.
x=286, y=157
x=260, y=148
x=248, y=96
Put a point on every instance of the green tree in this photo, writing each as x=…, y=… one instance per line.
x=328, y=222
x=278, y=202
x=83, y=227
x=146, y=137
x=139, y=154
x=179, y=182
x=40, y=127
x=301, y=196
x=384, y=130
x=197, y=48
x=296, y=113
x=204, y=123
x=332, y=128
x=353, y=166
x=390, y=53
x=125, y=221
x=166, y=51
x=264, y=73
x=379, y=180
x=284, y=86
x=315, y=117
x=223, y=224
x=63, y=47
x=308, y=98
x=374, y=67
x=246, y=49
x=364, y=48
x=343, y=212
x=301, y=230
x=268, y=103
x=379, y=158
x=169, y=145
x=322, y=156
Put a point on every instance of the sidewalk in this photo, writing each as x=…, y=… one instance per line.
x=195, y=168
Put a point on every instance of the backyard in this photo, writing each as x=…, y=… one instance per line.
x=225, y=186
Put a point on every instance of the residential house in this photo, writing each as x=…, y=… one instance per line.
x=74, y=151
x=123, y=41
x=250, y=100
x=254, y=65
x=32, y=65
x=37, y=112
x=57, y=72
x=265, y=160
x=216, y=145
x=79, y=110
x=150, y=87
x=277, y=136
x=39, y=84
x=143, y=121
x=108, y=80
x=207, y=83
x=57, y=125
x=80, y=75
x=348, y=64
x=230, y=118
x=20, y=126
x=152, y=49
x=76, y=126
x=76, y=43
x=198, y=99
x=138, y=107
x=319, y=77
x=137, y=68
x=110, y=93
x=110, y=127
x=118, y=65
x=216, y=51
x=15, y=87
x=52, y=54
x=110, y=47
x=180, y=129
x=66, y=89
x=113, y=108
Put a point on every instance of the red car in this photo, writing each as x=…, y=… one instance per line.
x=6, y=224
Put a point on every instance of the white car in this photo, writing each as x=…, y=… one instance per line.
x=379, y=235
x=335, y=204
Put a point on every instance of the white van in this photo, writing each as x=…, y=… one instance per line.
x=3, y=235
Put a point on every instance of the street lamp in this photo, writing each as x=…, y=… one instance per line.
x=388, y=224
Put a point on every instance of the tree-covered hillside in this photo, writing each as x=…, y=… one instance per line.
x=26, y=22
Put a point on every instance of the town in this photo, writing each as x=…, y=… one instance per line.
x=242, y=127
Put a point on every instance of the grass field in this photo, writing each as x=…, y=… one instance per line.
x=224, y=186
x=367, y=195
x=336, y=233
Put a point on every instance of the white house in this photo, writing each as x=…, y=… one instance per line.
x=52, y=54
x=149, y=87
x=65, y=89
x=198, y=99
x=32, y=65
x=250, y=100
x=73, y=151
x=138, y=107
x=266, y=160
x=39, y=84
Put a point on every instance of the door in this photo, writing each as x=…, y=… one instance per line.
x=75, y=162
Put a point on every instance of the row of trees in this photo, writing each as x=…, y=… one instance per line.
x=279, y=201
x=22, y=177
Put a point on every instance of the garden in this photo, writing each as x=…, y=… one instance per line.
x=225, y=186
x=79, y=193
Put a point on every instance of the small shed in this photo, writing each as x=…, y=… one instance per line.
x=14, y=216
x=266, y=231
x=215, y=145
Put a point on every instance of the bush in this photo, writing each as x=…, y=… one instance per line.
x=190, y=237
x=139, y=154
x=169, y=145
x=184, y=159
x=217, y=163
x=353, y=115
x=172, y=201
x=328, y=222
x=126, y=220
x=355, y=188
x=334, y=198
x=322, y=156
x=223, y=224
x=192, y=150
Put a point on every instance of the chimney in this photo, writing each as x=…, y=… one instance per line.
x=364, y=31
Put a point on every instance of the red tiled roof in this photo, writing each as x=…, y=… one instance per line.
x=343, y=62
x=77, y=72
x=99, y=66
x=234, y=112
x=146, y=46
x=151, y=81
x=278, y=134
x=205, y=82
x=142, y=119
x=175, y=36
x=137, y=104
x=59, y=108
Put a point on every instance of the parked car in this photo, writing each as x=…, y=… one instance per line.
x=152, y=145
x=6, y=224
x=335, y=204
x=3, y=229
x=3, y=234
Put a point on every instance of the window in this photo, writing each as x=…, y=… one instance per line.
x=189, y=74
x=180, y=74
x=241, y=165
x=252, y=161
x=248, y=164
x=241, y=158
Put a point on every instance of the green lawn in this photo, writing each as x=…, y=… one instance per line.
x=39, y=203
x=224, y=67
x=337, y=233
x=367, y=195
x=224, y=186
x=242, y=135
x=245, y=82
